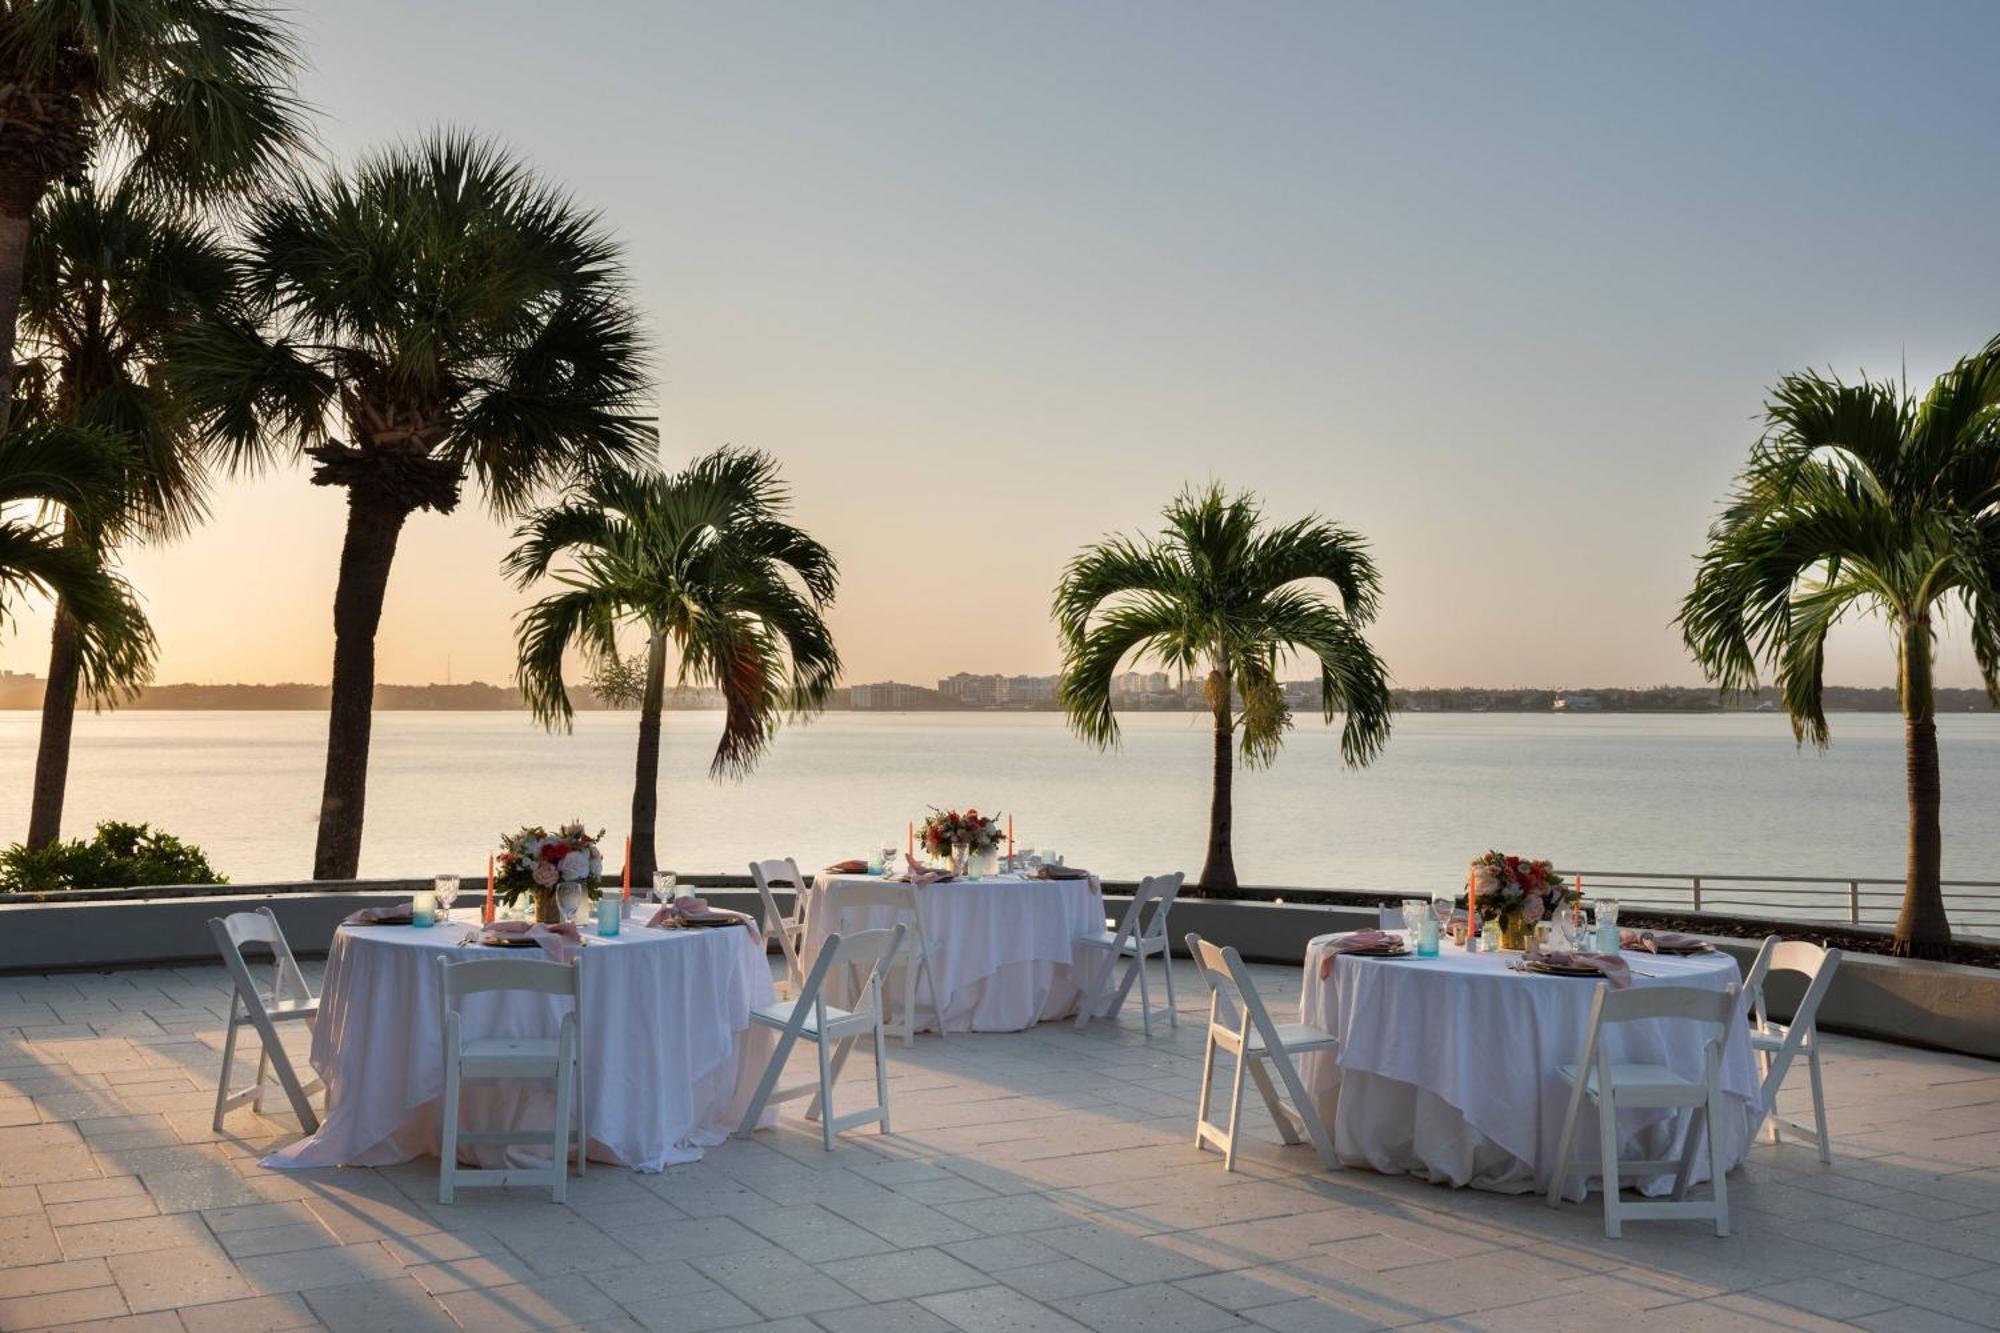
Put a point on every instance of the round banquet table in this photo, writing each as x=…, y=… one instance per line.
x=669, y=1057
x=1003, y=947
x=1446, y=1067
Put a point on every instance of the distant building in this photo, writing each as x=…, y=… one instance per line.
x=970, y=690
x=1566, y=702
x=1026, y=691
x=889, y=696
x=1138, y=684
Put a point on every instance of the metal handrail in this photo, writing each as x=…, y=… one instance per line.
x=1973, y=904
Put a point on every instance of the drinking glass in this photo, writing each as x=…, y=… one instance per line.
x=888, y=858
x=665, y=886
x=569, y=897
x=446, y=888
x=1442, y=907
x=874, y=863
x=1413, y=917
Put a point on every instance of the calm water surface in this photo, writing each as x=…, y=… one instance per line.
x=1711, y=793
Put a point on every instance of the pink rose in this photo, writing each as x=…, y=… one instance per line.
x=545, y=874
x=1532, y=909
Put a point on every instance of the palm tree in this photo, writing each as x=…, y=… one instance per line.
x=1859, y=497
x=1219, y=594
x=70, y=468
x=195, y=94
x=114, y=275
x=438, y=314
x=705, y=562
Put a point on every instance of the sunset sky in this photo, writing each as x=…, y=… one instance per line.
x=1500, y=286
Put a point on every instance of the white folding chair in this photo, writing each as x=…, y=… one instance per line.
x=1778, y=1044
x=1610, y=1086
x=834, y=1030
x=1239, y=1023
x=1389, y=917
x=907, y=902
x=1140, y=934
x=787, y=928
x=290, y=1000
x=482, y=1058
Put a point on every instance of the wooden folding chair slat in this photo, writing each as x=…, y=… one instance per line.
x=290, y=1000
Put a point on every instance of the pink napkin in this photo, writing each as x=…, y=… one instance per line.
x=687, y=908
x=1660, y=941
x=1062, y=872
x=848, y=867
x=561, y=941
x=921, y=874
x=398, y=914
x=1357, y=941
x=1612, y=968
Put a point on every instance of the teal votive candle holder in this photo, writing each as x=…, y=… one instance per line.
x=607, y=913
x=423, y=909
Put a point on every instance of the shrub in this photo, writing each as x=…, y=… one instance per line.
x=119, y=856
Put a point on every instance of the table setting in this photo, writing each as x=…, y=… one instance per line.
x=1002, y=923
x=669, y=1056
x=1449, y=1041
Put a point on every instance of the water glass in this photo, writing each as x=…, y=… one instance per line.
x=874, y=863
x=446, y=889
x=1413, y=917
x=1442, y=906
x=569, y=897
x=888, y=858
x=666, y=886
x=423, y=909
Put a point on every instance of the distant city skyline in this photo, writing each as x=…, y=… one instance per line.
x=1500, y=287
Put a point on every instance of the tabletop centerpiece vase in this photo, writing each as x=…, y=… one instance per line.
x=1514, y=893
x=536, y=863
x=960, y=836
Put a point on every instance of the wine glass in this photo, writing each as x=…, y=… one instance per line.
x=569, y=897
x=1442, y=907
x=666, y=886
x=1413, y=917
x=888, y=858
x=446, y=888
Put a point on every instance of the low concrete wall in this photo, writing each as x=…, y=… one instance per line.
x=1941, y=1005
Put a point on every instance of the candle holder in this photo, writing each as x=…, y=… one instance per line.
x=423, y=909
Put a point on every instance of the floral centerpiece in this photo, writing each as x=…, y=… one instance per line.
x=536, y=861
x=1516, y=892
x=960, y=835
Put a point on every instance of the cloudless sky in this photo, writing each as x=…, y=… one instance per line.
x=1499, y=285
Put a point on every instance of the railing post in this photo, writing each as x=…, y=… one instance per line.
x=1697, y=891
x=1854, y=902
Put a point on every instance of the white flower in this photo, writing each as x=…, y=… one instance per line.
x=596, y=860
x=576, y=865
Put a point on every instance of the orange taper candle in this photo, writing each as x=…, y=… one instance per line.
x=489, y=888
x=628, y=865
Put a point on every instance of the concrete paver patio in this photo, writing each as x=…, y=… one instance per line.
x=1038, y=1182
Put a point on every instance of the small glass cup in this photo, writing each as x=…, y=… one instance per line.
x=608, y=913
x=569, y=898
x=423, y=908
x=1413, y=917
x=874, y=863
x=666, y=886
x=446, y=889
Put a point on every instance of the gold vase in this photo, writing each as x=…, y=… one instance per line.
x=547, y=913
x=1514, y=936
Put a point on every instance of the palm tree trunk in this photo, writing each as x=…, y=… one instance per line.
x=1922, y=930
x=15, y=222
x=646, y=772
x=58, y=721
x=1218, y=870
x=374, y=522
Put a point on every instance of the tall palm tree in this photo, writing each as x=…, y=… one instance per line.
x=708, y=566
x=436, y=315
x=114, y=276
x=195, y=94
x=1220, y=595
x=69, y=468
x=1861, y=497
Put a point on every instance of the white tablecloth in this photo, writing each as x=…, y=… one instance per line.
x=669, y=1059
x=1004, y=948
x=1446, y=1066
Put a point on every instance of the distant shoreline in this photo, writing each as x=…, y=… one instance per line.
x=19, y=693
